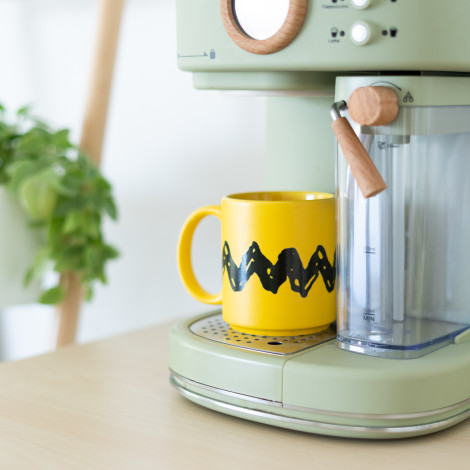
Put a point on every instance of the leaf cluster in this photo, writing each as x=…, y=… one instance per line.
x=63, y=194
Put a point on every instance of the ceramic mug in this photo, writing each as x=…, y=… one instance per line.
x=278, y=251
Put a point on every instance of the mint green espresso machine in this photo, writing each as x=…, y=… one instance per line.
x=397, y=362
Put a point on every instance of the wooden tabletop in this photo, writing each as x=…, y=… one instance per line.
x=109, y=405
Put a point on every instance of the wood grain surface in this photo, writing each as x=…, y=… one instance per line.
x=373, y=105
x=367, y=176
x=278, y=41
x=109, y=405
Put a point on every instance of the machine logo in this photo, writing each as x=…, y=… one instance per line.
x=289, y=265
x=385, y=145
x=408, y=98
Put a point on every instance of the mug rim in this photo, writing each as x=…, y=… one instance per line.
x=285, y=197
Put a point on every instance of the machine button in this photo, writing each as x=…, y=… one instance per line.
x=360, y=33
x=360, y=3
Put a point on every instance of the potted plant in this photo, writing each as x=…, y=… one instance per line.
x=63, y=198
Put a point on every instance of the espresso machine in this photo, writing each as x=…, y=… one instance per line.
x=397, y=362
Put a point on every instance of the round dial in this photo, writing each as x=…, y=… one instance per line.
x=360, y=33
x=360, y=3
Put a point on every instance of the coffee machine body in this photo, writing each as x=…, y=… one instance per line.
x=402, y=256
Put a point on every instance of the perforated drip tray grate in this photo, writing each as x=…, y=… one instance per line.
x=216, y=329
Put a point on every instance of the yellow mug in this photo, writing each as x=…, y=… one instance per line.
x=278, y=251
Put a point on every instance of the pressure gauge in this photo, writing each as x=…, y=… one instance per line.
x=260, y=19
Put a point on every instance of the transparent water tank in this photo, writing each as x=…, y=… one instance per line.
x=404, y=256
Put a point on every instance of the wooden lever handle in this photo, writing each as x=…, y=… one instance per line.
x=373, y=105
x=362, y=167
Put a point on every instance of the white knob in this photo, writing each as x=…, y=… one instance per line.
x=360, y=3
x=360, y=33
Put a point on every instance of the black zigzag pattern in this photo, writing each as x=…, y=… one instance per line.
x=289, y=265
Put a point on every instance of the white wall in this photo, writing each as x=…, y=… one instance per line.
x=169, y=149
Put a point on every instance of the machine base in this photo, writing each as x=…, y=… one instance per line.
x=321, y=389
x=277, y=415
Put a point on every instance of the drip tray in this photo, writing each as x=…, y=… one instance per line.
x=216, y=329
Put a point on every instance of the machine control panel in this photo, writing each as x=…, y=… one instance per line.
x=323, y=36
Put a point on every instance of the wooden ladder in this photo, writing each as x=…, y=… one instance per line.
x=92, y=136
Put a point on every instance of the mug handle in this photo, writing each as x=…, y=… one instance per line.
x=184, y=256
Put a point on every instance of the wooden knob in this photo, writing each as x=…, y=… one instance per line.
x=373, y=105
x=362, y=167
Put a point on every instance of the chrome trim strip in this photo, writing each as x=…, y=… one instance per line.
x=221, y=391
x=339, y=414
x=421, y=414
x=405, y=430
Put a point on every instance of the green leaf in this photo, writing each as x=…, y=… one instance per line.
x=110, y=252
x=110, y=208
x=65, y=206
x=23, y=111
x=73, y=221
x=37, y=197
x=52, y=296
x=61, y=139
x=89, y=293
x=19, y=171
x=36, y=271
